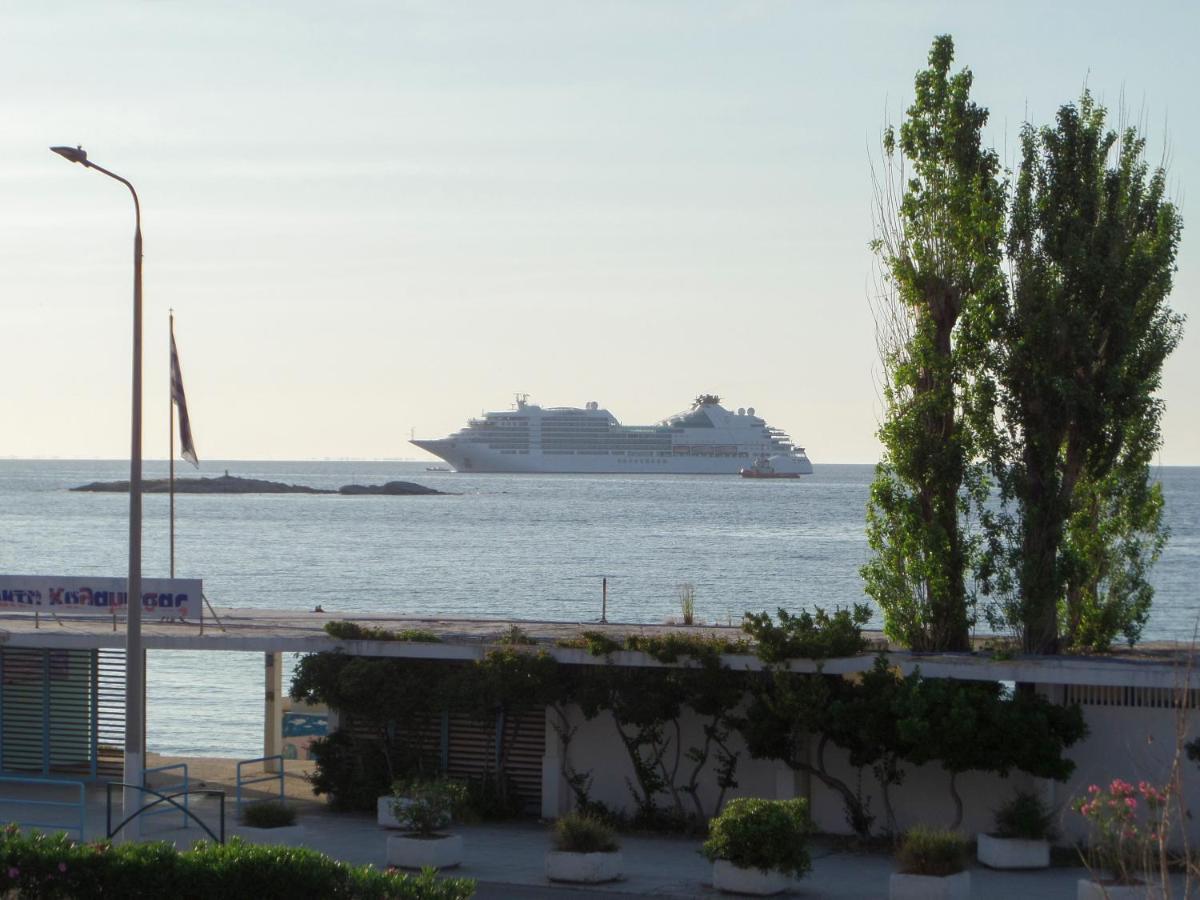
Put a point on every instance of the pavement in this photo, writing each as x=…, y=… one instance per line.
x=507, y=859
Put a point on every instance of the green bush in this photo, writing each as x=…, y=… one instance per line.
x=352, y=631
x=424, y=806
x=1025, y=817
x=581, y=833
x=762, y=834
x=815, y=635
x=493, y=797
x=352, y=774
x=268, y=814
x=41, y=867
x=932, y=851
x=514, y=636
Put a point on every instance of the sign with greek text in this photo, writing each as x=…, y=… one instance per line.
x=175, y=598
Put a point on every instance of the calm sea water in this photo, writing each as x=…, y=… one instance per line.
x=522, y=546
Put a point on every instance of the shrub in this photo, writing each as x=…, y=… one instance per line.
x=932, y=851
x=762, y=834
x=493, y=797
x=581, y=833
x=1128, y=827
x=515, y=636
x=37, y=866
x=687, y=602
x=353, y=777
x=1026, y=817
x=815, y=635
x=352, y=631
x=422, y=807
x=268, y=814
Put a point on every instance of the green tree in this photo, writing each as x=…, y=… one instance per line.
x=978, y=726
x=940, y=228
x=1092, y=245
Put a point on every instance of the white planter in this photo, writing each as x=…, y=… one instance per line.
x=584, y=868
x=383, y=811
x=290, y=835
x=1094, y=890
x=930, y=887
x=734, y=880
x=1012, y=853
x=440, y=852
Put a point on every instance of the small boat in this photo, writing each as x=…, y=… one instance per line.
x=437, y=469
x=772, y=467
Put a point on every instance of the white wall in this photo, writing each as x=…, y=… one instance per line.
x=1127, y=742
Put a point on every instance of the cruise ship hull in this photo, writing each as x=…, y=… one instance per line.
x=480, y=459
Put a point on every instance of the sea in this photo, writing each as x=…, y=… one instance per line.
x=531, y=547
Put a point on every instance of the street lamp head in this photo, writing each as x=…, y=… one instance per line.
x=72, y=154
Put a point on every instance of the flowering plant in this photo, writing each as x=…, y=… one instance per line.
x=1126, y=827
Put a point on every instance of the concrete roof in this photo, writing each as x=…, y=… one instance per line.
x=1162, y=665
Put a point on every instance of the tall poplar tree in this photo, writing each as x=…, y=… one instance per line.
x=1092, y=245
x=940, y=230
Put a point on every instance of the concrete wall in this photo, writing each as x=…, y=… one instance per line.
x=597, y=748
x=1130, y=742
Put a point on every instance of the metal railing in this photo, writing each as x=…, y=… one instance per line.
x=242, y=782
x=162, y=798
x=77, y=806
x=183, y=785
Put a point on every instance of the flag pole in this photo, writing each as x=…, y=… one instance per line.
x=171, y=407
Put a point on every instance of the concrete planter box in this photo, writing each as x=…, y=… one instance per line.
x=291, y=835
x=930, y=887
x=1095, y=890
x=441, y=851
x=1012, y=853
x=584, y=868
x=734, y=880
x=383, y=812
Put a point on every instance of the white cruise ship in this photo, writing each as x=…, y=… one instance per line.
x=704, y=440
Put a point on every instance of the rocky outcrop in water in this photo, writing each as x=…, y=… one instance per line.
x=391, y=488
x=232, y=484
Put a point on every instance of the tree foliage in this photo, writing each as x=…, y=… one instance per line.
x=885, y=721
x=1092, y=245
x=940, y=228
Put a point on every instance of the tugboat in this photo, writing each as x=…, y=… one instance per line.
x=773, y=467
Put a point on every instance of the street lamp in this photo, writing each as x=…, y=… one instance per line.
x=134, y=660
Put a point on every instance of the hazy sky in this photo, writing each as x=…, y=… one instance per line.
x=373, y=217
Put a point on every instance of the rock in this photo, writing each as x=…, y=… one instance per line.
x=392, y=488
x=224, y=484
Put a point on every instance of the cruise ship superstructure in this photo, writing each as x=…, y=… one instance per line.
x=704, y=440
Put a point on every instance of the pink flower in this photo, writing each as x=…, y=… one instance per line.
x=62, y=867
x=1131, y=803
x=1093, y=789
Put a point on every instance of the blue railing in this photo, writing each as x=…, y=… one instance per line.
x=183, y=786
x=162, y=798
x=241, y=782
x=77, y=807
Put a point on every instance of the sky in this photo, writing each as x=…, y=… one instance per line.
x=374, y=219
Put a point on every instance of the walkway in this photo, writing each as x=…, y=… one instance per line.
x=507, y=859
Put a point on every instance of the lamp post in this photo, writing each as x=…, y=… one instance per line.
x=134, y=659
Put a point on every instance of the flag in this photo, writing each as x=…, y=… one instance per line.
x=186, y=448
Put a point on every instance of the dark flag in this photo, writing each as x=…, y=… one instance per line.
x=186, y=448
